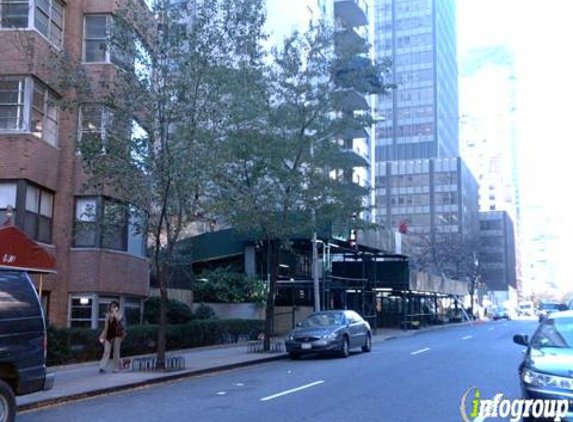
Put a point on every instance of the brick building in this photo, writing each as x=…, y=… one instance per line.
x=41, y=176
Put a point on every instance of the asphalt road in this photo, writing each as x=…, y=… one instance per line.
x=418, y=378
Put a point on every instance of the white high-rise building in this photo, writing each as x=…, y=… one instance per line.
x=488, y=133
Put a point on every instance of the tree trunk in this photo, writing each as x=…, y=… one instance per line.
x=472, y=294
x=270, y=306
x=163, y=278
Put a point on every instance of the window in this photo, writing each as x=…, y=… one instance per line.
x=13, y=14
x=96, y=38
x=136, y=233
x=114, y=227
x=44, y=122
x=38, y=217
x=85, y=222
x=109, y=224
x=95, y=121
x=36, y=212
x=88, y=309
x=106, y=43
x=81, y=311
x=28, y=106
x=12, y=104
x=7, y=195
x=49, y=19
x=46, y=16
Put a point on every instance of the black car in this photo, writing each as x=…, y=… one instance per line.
x=329, y=332
x=23, y=342
x=546, y=371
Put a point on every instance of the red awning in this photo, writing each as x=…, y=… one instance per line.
x=19, y=252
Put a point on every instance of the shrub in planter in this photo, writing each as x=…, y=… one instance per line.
x=205, y=312
x=71, y=345
x=225, y=285
x=177, y=312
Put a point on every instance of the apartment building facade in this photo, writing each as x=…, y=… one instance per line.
x=42, y=182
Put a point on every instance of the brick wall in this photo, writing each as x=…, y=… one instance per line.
x=59, y=169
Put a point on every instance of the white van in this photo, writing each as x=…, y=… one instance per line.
x=526, y=308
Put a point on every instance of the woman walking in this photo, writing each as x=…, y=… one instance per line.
x=112, y=335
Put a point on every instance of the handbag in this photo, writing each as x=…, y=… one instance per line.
x=120, y=329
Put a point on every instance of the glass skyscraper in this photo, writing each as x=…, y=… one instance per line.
x=419, y=119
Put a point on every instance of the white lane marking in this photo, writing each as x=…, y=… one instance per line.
x=222, y=393
x=420, y=351
x=491, y=329
x=239, y=384
x=294, y=390
x=466, y=337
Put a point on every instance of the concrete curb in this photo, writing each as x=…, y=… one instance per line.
x=179, y=375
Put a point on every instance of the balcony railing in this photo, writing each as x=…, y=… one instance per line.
x=353, y=12
x=351, y=39
x=352, y=100
x=355, y=158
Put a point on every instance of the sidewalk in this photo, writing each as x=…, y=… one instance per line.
x=74, y=382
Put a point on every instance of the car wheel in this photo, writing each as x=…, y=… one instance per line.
x=7, y=403
x=367, y=343
x=345, y=348
x=294, y=356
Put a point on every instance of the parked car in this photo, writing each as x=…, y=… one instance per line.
x=546, y=370
x=23, y=342
x=329, y=332
x=503, y=312
x=546, y=308
x=455, y=314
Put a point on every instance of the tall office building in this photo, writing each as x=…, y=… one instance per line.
x=437, y=195
x=418, y=122
x=497, y=256
x=420, y=117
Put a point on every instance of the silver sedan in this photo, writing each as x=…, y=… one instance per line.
x=329, y=332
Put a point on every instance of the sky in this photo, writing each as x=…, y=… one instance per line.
x=540, y=34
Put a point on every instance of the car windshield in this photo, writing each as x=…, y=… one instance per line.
x=554, y=333
x=323, y=320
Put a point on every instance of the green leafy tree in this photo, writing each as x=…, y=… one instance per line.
x=165, y=100
x=283, y=157
x=224, y=285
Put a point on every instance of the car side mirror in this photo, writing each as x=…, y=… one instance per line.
x=521, y=339
x=298, y=324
